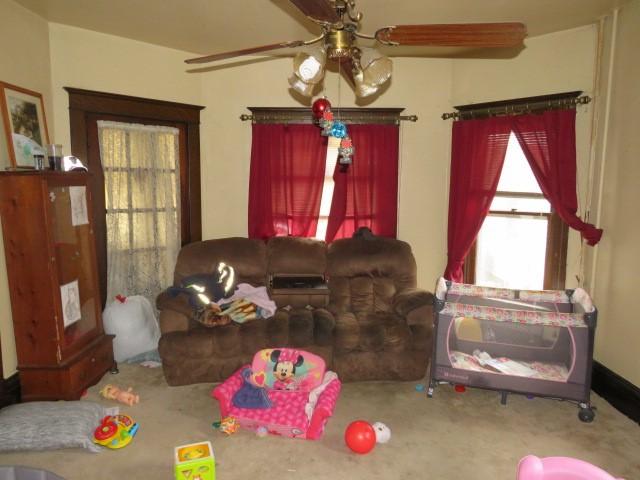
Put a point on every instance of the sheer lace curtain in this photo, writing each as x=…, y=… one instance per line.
x=141, y=176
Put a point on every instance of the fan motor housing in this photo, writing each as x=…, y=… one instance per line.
x=339, y=43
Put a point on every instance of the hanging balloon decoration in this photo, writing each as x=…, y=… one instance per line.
x=323, y=115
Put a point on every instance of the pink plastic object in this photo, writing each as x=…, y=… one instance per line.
x=559, y=468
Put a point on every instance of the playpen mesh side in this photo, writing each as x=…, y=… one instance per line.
x=533, y=344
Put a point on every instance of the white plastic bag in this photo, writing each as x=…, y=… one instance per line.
x=134, y=324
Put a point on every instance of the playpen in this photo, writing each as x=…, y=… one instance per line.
x=515, y=341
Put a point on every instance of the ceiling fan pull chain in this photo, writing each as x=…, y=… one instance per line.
x=339, y=90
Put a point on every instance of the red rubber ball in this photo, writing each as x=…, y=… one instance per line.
x=360, y=437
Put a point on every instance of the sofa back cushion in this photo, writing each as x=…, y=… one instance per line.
x=296, y=255
x=248, y=257
x=287, y=369
x=365, y=274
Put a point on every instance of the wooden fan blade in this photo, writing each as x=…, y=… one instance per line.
x=319, y=11
x=246, y=51
x=456, y=35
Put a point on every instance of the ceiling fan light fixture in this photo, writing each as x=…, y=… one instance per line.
x=371, y=71
x=364, y=89
x=301, y=87
x=378, y=71
x=309, y=67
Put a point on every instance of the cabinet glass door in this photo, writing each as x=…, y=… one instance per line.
x=74, y=250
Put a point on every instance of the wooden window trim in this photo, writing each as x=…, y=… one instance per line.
x=87, y=106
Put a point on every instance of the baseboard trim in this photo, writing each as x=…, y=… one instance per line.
x=10, y=390
x=618, y=391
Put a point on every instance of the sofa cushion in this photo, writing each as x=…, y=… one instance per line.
x=287, y=369
x=377, y=257
x=361, y=294
x=296, y=255
x=248, y=257
x=371, y=332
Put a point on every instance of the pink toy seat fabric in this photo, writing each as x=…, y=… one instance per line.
x=559, y=468
x=287, y=369
x=298, y=409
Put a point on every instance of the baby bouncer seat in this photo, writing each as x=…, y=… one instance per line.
x=287, y=391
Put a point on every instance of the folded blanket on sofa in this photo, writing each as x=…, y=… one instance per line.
x=256, y=295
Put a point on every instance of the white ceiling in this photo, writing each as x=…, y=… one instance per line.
x=209, y=26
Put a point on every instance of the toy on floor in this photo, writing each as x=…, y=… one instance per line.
x=383, y=433
x=229, y=425
x=559, y=468
x=195, y=461
x=360, y=437
x=287, y=391
x=115, y=431
x=114, y=393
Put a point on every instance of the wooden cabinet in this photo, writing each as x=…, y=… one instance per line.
x=53, y=284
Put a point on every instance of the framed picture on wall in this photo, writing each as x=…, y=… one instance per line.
x=25, y=125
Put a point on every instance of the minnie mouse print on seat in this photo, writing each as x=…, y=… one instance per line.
x=287, y=369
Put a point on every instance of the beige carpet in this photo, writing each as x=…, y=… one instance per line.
x=451, y=436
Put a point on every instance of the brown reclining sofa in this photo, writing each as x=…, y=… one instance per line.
x=368, y=321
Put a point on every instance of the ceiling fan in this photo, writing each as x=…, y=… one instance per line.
x=366, y=68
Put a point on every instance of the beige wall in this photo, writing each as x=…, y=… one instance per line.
x=95, y=61
x=616, y=186
x=554, y=63
x=24, y=61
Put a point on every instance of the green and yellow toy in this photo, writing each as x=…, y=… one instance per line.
x=195, y=461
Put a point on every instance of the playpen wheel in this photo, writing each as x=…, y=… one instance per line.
x=430, y=392
x=586, y=414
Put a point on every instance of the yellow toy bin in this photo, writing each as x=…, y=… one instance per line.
x=195, y=461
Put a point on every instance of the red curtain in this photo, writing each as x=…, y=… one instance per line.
x=548, y=142
x=477, y=154
x=366, y=194
x=285, y=184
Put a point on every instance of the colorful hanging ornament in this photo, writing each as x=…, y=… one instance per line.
x=326, y=126
x=345, y=151
x=320, y=106
x=339, y=130
x=324, y=118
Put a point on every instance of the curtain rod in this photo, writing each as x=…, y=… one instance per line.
x=348, y=115
x=404, y=118
x=518, y=106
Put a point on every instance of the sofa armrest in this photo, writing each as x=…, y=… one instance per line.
x=178, y=303
x=324, y=409
x=175, y=312
x=414, y=304
x=226, y=390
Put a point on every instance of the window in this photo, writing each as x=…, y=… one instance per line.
x=296, y=187
x=522, y=243
x=87, y=107
x=142, y=191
